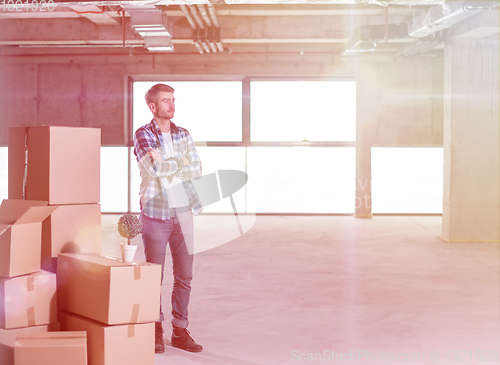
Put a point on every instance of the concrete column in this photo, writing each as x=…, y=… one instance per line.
x=363, y=181
x=367, y=111
x=471, y=210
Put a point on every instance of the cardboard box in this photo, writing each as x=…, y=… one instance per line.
x=51, y=348
x=21, y=235
x=28, y=300
x=129, y=344
x=108, y=290
x=8, y=340
x=71, y=229
x=63, y=164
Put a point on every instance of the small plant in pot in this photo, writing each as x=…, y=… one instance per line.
x=129, y=226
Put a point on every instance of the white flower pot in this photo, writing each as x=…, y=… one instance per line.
x=128, y=252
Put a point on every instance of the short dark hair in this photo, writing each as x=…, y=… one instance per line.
x=152, y=94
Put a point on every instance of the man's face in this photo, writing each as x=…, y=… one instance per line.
x=165, y=105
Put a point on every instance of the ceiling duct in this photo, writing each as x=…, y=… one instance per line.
x=443, y=16
x=159, y=44
x=152, y=25
x=373, y=37
x=144, y=22
x=206, y=30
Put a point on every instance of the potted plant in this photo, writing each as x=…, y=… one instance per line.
x=129, y=226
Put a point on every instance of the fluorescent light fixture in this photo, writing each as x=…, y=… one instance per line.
x=148, y=21
x=159, y=44
x=155, y=33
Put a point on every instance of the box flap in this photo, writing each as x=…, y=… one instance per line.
x=12, y=210
x=36, y=214
x=48, y=335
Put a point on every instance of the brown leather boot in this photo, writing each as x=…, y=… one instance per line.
x=182, y=340
x=159, y=345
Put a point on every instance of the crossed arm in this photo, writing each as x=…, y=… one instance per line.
x=187, y=167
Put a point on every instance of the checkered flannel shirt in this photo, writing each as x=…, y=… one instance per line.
x=154, y=203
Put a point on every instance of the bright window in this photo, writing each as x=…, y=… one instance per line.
x=114, y=179
x=303, y=110
x=301, y=179
x=407, y=180
x=209, y=110
x=224, y=158
x=212, y=159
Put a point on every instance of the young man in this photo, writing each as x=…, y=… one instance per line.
x=168, y=160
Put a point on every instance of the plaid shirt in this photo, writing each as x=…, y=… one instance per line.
x=154, y=203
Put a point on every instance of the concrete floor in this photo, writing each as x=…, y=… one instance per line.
x=295, y=289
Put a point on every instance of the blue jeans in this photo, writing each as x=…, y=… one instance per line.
x=155, y=236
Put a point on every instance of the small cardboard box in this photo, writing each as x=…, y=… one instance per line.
x=8, y=340
x=108, y=290
x=71, y=229
x=51, y=348
x=129, y=344
x=21, y=235
x=28, y=300
x=63, y=164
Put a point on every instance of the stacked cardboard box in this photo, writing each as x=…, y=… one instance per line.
x=8, y=340
x=52, y=170
x=27, y=293
x=115, y=302
x=60, y=165
x=51, y=348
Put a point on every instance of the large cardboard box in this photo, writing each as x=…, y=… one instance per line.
x=28, y=300
x=71, y=229
x=21, y=235
x=51, y=348
x=108, y=290
x=8, y=340
x=128, y=344
x=63, y=164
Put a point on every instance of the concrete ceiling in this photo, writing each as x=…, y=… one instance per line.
x=246, y=26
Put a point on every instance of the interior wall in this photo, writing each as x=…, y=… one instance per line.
x=471, y=142
x=396, y=98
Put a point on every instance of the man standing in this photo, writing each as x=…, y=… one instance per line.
x=168, y=160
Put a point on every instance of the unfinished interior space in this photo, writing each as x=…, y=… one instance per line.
x=355, y=149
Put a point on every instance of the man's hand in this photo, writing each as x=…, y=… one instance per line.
x=155, y=154
x=185, y=161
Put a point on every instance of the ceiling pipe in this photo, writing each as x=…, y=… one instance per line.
x=216, y=30
x=123, y=27
x=191, y=21
x=201, y=37
x=213, y=16
x=188, y=16
x=218, y=43
x=211, y=39
x=196, y=16
x=204, y=14
x=197, y=41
